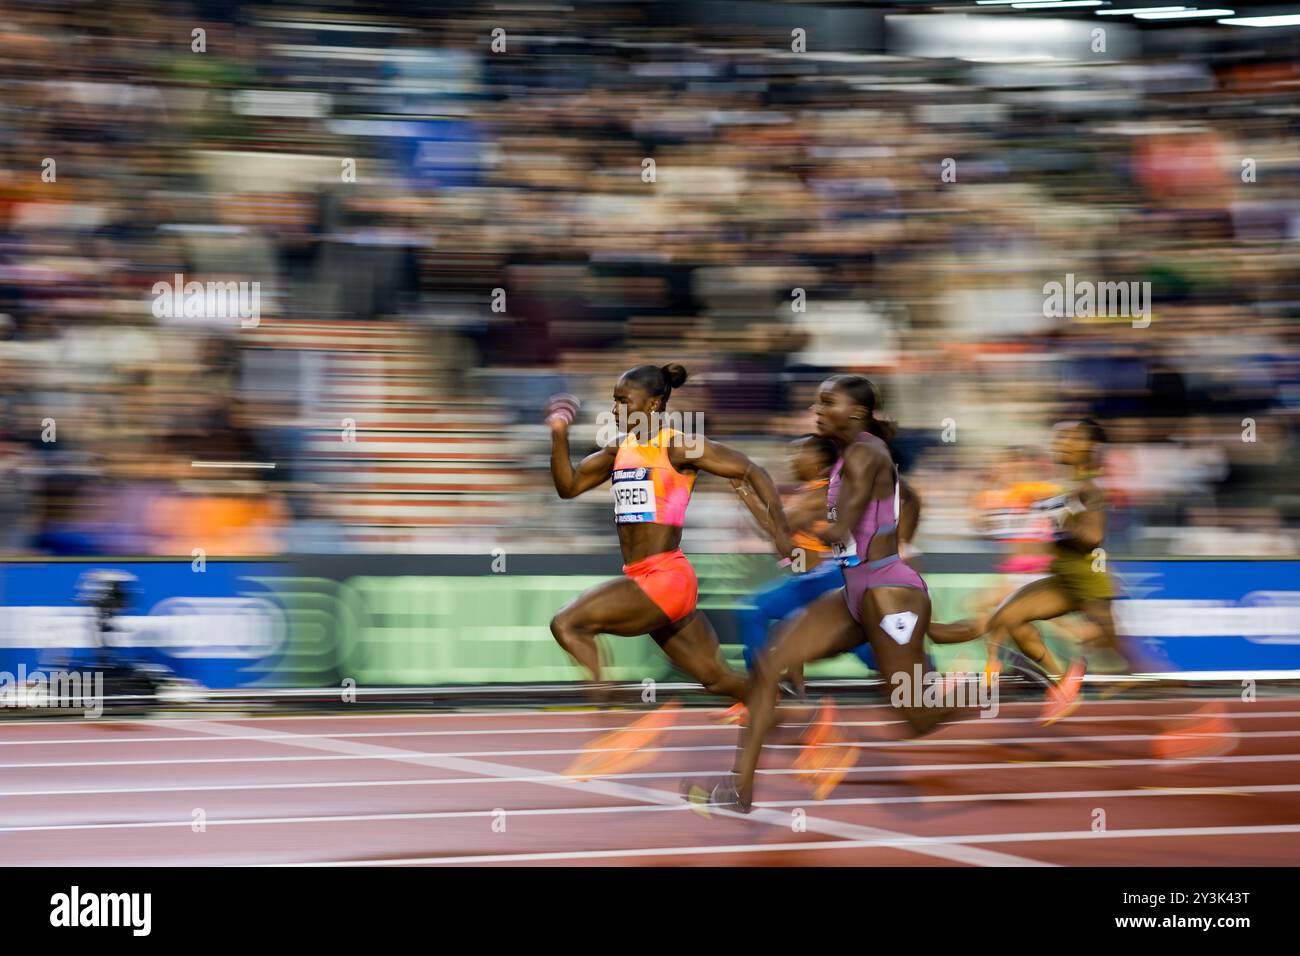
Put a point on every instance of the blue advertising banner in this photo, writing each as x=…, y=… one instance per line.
x=1213, y=615
x=217, y=626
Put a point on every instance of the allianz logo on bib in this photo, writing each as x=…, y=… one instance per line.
x=630, y=474
x=77, y=909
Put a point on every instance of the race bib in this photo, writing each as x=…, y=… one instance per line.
x=845, y=553
x=1006, y=523
x=1058, y=511
x=634, y=496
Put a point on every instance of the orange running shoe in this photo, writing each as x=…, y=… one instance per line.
x=808, y=762
x=822, y=726
x=735, y=714
x=992, y=666
x=1210, y=734
x=1065, y=697
x=825, y=758
x=838, y=762
x=825, y=765
x=624, y=749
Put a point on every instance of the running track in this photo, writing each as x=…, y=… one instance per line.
x=486, y=788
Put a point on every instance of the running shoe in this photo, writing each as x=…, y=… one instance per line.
x=822, y=727
x=722, y=795
x=1208, y=734
x=826, y=756
x=825, y=766
x=697, y=794
x=992, y=664
x=735, y=714
x=1064, y=698
x=1014, y=664
x=788, y=691
x=624, y=749
x=818, y=739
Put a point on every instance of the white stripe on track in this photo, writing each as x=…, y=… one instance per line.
x=908, y=744
x=959, y=854
x=648, y=808
x=904, y=843
x=660, y=775
x=1088, y=704
x=198, y=738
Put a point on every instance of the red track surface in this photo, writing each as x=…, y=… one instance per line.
x=465, y=788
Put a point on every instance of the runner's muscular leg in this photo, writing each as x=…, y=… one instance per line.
x=617, y=607
x=1101, y=613
x=1040, y=600
x=825, y=628
x=898, y=642
x=692, y=645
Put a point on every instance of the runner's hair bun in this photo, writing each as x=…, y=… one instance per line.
x=674, y=375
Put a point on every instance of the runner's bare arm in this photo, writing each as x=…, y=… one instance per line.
x=592, y=471
x=909, y=507
x=751, y=501
x=800, y=514
x=1090, y=529
x=717, y=459
x=856, y=479
x=807, y=509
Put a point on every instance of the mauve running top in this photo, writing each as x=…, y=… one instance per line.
x=878, y=517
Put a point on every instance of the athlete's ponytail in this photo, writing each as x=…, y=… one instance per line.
x=658, y=381
x=886, y=429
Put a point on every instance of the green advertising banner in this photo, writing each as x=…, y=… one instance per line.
x=494, y=628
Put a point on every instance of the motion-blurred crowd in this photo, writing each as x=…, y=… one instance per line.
x=445, y=233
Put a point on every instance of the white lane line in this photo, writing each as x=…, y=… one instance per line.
x=233, y=464
x=850, y=831
x=651, y=808
x=908, y=744
x=660, y=775
x=882, y=704
x=620, y=713
x=199, y=738
x=904, y=843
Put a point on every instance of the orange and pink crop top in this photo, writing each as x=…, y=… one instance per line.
x=647, y=488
